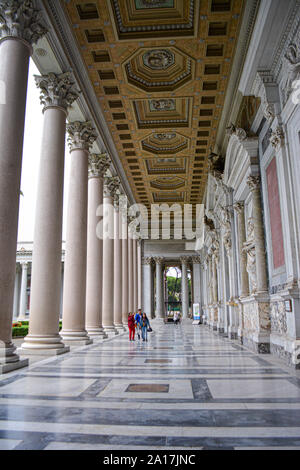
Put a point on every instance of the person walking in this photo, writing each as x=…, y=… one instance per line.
x=131, y=326
x=138, y=318
x=145, y=324
x=176, y=318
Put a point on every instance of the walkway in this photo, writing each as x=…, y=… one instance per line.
x=185, y=388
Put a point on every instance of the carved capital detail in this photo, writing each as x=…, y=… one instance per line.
x=239, y=207
x=81, y=135
x=98, y=164
x=20, y=19
x=254, y=183
x=277, y=138
x=185, y=260
x=196, y=259
x=241, y=134
x=159, y=260
x=111, y=186
x=148, y=261
x=57, y=90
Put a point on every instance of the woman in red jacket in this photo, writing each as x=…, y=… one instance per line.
x=131, y=326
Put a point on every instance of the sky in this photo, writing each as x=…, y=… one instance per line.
x=31, y=161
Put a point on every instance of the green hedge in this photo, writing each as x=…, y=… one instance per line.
x=23, y=330
x=20, y=331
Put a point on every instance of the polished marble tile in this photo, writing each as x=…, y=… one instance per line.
x=246, y=389
x=47, y=386
x=8, y=444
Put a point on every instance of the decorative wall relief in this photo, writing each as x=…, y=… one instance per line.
x=278, y=318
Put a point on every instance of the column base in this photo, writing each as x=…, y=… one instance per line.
x=42, y=345
x=76, y=338
x=43, y=352
x=120, y=328
x=232, y=333
x=10, y=361
x=96, y=333
x=110, y=331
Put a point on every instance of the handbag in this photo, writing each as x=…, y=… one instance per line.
x=149, y=329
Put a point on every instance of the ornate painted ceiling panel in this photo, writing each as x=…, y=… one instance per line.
x=160, y=70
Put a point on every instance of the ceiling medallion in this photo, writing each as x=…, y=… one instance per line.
x=165, y=136
x=162, y=105
x=158, y=59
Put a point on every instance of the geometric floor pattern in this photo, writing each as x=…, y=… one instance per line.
x=186, y=388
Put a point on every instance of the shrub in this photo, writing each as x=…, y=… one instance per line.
x=20, y=331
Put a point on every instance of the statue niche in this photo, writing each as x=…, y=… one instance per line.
x=249, y=249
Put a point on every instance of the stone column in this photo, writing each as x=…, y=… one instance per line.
x=61, y=290
x=147, y=287
x=139, y=268
x=98, y=165
x=118, y=322
x=23, y=293
x=111, y=185
x=21, y=27
x=160, y=304
x=184, y=287
x=125, y=285
x=260, y=254
x=17, y=293
x=81, y=138
x=58, y=92
x=135, y=276
x=196, y=260
x=239, y=207
x=130, y=274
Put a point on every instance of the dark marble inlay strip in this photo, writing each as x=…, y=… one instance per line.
x=201, y=390
x=158, y=418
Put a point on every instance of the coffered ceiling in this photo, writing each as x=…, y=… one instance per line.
x=160, y=70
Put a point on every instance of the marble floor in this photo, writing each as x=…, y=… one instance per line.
x=186, y=388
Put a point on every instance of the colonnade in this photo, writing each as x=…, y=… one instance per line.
x=94, y=298
x=153, y=285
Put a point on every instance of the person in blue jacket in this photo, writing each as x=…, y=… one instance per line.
x=138, y=318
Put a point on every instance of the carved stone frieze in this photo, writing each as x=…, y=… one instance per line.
x=57, y=90
x=278, y=318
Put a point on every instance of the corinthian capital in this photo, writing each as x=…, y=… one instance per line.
x=57, y=90
x=81, y=135
x=277, y=138
x=159, y=260
x=20, y=19
x=239, y=207
x=111, y=186
x=148, y=261
x=185, y=260
x=253, y=183
x=98, y=164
